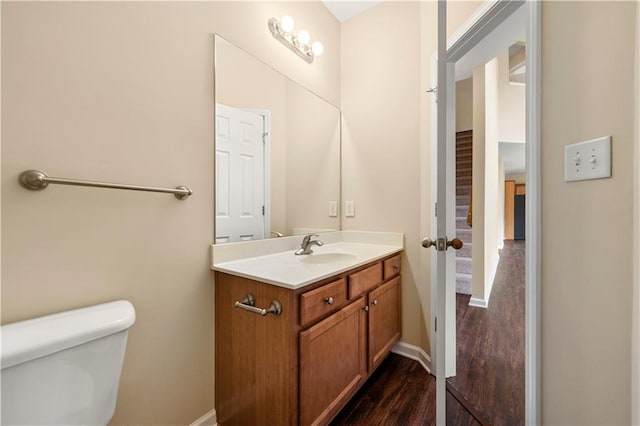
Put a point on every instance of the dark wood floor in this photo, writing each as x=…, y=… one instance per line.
x=490, y=374
x=490, y=346
x=400, y=392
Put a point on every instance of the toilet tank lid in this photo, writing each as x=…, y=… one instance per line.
x=26, y=340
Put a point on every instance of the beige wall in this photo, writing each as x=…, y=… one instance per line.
x=478, y=180
x=124, y=92
x=486, y=179
x=380, y=80
x=313, y=160
x=635, y=337
x=464, y=105
x=492, y=209
x=511, y=104
x=586, y=290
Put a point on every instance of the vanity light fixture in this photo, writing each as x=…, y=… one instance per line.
x=283, y=31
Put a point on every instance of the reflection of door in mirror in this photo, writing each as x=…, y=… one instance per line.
x=240, y=177
x=302, y=157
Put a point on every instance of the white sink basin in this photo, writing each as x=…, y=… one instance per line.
x=285, y=269
x=326, y=258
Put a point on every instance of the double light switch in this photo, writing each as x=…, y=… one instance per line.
x=588, y=160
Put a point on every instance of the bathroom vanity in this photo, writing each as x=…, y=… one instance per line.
x=334, y=316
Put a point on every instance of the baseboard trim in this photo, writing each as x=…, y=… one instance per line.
x=413, y=352
x=207, y=419
x=478, y=303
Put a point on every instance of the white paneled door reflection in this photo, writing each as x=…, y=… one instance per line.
x=240, y=177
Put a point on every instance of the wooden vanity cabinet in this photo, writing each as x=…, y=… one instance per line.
x=302, y=367
x=333, y=362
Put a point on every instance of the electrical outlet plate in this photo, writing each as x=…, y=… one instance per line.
x=349, y=209
x=333, y=209
x=588, y=160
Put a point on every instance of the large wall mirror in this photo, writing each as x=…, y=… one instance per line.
x=277, y=168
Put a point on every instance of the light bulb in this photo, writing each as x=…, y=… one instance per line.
x=317, y=48
x=287, y=24
x=304, y=36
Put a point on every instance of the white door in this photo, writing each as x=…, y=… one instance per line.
x=444, y=356
x=239, y=175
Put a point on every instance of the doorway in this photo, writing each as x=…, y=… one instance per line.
x=480, y=33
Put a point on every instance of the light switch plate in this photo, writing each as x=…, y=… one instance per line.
x=588, y=160
x=333, y=209
x=349, y=209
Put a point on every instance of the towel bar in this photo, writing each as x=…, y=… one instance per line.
x=36, y=180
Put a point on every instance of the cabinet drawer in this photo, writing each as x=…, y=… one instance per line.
x=322, y=300
x=391, y=267
x=363, y=281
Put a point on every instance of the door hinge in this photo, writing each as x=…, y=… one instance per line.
x=436, y=210
x=262, y=210
x=264, y=137
x=434, y=90
x=436, y=323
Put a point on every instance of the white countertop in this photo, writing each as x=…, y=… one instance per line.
x=285, y=269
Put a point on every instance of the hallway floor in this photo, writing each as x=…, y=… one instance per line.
x=490, y=346
x=490, y=374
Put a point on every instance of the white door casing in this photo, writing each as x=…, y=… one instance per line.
x=240, y=178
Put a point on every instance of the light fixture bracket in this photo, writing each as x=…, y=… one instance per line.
x=291, y=41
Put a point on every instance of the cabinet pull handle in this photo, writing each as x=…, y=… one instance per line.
x=396, y=268
x=248, y=305
x=366, y=308
x=329, y=300
x=375, y=302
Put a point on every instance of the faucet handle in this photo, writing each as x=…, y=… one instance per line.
x=307, y=238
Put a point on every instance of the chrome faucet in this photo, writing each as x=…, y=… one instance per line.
x=307, y=243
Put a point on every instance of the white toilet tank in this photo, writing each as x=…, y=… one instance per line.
x=64, y=369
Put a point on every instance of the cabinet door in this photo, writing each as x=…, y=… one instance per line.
x=255, y=381
x=384, y=320
x=333, y=363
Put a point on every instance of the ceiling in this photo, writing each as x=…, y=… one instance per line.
x=345, y=10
